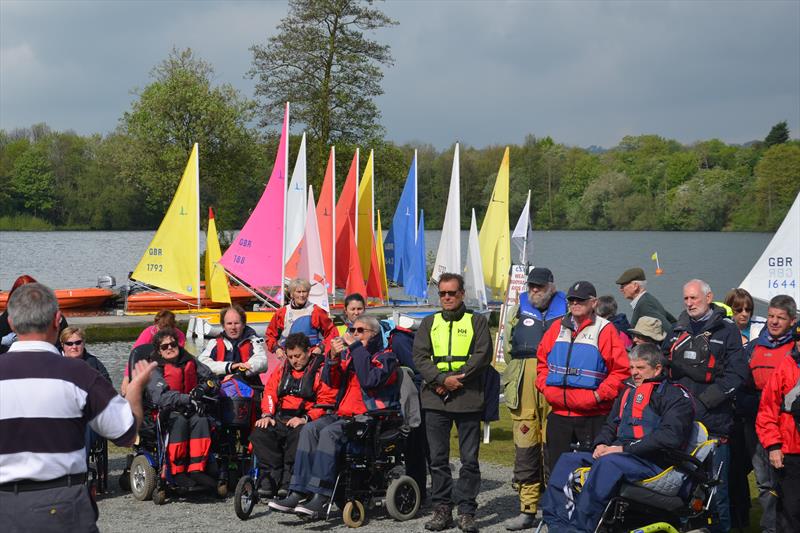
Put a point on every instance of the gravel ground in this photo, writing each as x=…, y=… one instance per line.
x=120, y=512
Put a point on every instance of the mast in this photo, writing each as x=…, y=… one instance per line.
x=283, y=233
x=197, y=224
x=358, y=167
x=333, y=224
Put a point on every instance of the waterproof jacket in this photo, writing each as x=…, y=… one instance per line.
x=365, y=377
x=274, y=403
x=320, y=329
x=648, y=305
x=713, y=399
x=249, y=342
x=764, y=355
x=671, y=411
x=572, y=401
x=161, y=395
x=469, y=398
x=95, y=363
x=776, y=426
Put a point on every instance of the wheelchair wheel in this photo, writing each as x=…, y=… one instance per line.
x=354, y=514
x=402, y=498
x=142, y=478
x=245, y=497
x=160, y=497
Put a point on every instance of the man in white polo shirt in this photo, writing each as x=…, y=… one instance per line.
x=46, y=400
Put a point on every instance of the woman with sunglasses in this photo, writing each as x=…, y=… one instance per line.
x=741, y=304
x=176, y=385
x=73, y=344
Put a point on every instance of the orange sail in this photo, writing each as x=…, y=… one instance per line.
x=374, y=285
x=346, y=210
x=349, y=265
x=326, y=218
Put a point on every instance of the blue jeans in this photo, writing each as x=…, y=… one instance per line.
x=721, y=501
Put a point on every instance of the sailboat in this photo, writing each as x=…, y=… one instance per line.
x=296, y=197
x=777, y=271
x=398, y=256
x=522, y=237
x=473, y=271
x=494, y=235
x=448, y=256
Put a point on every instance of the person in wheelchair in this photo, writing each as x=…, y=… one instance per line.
x=649, y=418
x=176, y=389
x=287, y=405
x=366, y=378
x=237, y=348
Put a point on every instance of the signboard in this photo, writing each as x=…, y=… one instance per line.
x=517, y=282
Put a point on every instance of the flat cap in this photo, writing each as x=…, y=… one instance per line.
x=632, y=274
x=650, y=327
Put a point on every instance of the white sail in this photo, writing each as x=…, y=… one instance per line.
x=448, y=257
x=473, y=271
x=522, y=237
x=296, y=202
x=777, y=271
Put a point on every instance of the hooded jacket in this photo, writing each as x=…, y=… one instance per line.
x=258, y=357
x=776, y=426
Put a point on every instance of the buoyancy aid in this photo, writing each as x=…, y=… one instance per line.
x=303, y=386
x=299, y=321
x=691, y=356
x=451, y=341
x=637, y=417
x=532, y=323
x=181, y=377
x=244, y=349
x=576, y=361
x=765, y=359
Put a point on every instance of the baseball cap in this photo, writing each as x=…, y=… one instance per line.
x=540, y=276
x=581, y=290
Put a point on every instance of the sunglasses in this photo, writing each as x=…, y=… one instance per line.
x=72, y=343
x=168, y=345
x=358, y=330
x=576, y=301
x=451, y=294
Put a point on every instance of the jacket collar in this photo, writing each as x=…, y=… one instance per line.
x=455, y=315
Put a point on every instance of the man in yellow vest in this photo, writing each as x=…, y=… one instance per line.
x=452, y=350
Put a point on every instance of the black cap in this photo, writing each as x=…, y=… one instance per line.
x=540, y=276
x=581, y=290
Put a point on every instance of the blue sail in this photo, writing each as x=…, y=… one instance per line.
x=399, y=256
x=417, y=276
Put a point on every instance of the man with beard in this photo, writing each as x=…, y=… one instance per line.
x=536, y=311
x=237, y=347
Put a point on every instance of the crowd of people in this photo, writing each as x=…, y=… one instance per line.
x=587, y=390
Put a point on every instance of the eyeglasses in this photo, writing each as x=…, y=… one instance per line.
x=72, y=343
x=575, y=301
x=168, y=345
x=451, y=294
x=743, y=310
x=359, y=330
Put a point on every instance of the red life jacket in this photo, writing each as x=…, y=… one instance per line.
x=637, y=418
x=181, y=377
x=765, y=360
x=691, y=356
x=245, y=351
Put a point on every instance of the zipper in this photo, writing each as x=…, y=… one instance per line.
x=450, y=346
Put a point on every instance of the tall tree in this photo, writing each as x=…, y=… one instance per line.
x=323, y=62
x=779, y=134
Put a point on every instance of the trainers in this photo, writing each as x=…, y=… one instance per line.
x=287, y=504
x=522, y=521
x=442, y=519
x=315, y=507
x=467, y=524
x=282, y=492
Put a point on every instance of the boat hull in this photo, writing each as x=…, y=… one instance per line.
x=146, y=301
x=84, y=298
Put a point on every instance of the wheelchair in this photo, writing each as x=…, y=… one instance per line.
x=97, y=463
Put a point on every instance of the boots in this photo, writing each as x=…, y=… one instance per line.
x=314, y=508
x=442, y=519
x=467, y=524
x=522, y=521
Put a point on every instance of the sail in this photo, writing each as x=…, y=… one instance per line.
x=296, y=202
x=172, y=259
x=346, y=209
x=473, y=271
x=374, y=283
x=256, y=256
x=216, y=280
x=366, y=219
x=381, y=258
x=448, y=257
x=353, y=278
x=777, y=271
x=522, y=237
x=417, y=276
x=311, y=265
x=494, y=235
x=398, y=255
x=326, y=218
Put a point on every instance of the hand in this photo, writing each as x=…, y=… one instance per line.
x=607, y=450
x=599, y=451
x=265, y=422
x=240, y=366
x=348, y=338
x=296, y=421
x=280, y=353
x=141, y=374
x=453, y=383
x=337, y=346
x=776, y=459
x=196, y=393
x=440, y=390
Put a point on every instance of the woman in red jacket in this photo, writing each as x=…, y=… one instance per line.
x=300, y=316
x=777, y=426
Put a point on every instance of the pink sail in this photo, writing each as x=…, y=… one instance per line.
x=256, y=256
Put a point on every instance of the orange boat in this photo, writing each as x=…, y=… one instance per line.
x=88, y=298
x=147, y=301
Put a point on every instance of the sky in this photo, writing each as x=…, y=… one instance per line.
x=480, y=72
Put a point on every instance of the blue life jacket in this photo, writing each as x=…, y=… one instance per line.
x=531, y=324
x=577, y=362
x=303, y=325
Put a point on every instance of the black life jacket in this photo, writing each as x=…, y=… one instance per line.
x=302, y=387
x=691, y=356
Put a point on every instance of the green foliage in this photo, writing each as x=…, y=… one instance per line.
x=24, y=223
x=777, y=183
x=779, y=134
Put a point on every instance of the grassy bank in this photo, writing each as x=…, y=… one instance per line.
x=32, y=223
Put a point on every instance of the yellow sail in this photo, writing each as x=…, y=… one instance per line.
x=366, y=224
x=494, y=238
x=216, y=280
x=172, y=260
x=381, y=257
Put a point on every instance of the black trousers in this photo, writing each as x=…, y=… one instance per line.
x=789, y=495
x=275, y=448
x=563, y=431
x=464, y=495
x=416, y=457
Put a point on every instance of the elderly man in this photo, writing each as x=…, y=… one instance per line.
x=648, y=419
x=46, y=403
x=633, y=286
x=452, y=350
x=581, y=367
x=529, y=319
x=706, y=357
x=238, y=347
